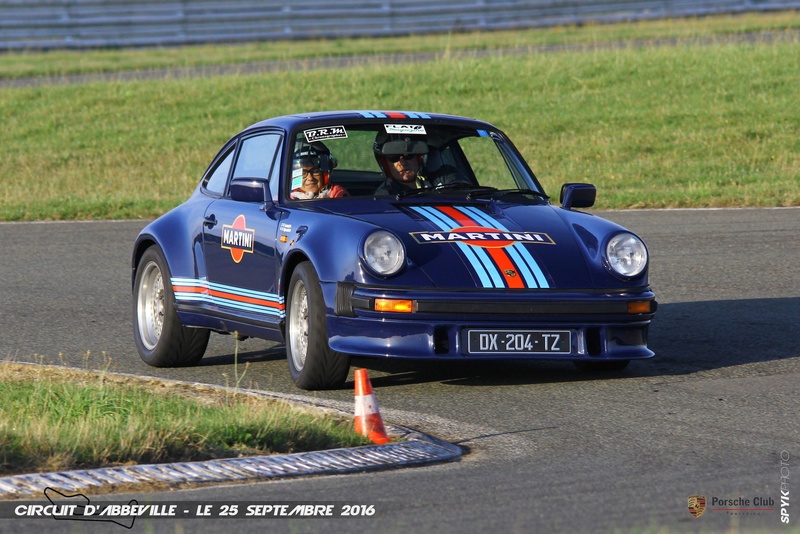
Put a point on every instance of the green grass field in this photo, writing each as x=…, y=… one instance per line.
x=55, y=418
x=685, y=126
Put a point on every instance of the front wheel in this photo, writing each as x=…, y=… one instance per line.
x=312, y=363
x=161, y=339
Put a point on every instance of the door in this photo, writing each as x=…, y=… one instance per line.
x=239, y=242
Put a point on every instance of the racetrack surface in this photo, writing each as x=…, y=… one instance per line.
x=548, y=448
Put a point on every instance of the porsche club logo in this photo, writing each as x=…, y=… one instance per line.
x=510, y=272
x=480, y=236
x=238, y=238
x=697, y=505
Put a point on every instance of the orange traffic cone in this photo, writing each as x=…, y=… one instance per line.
x=368, y=418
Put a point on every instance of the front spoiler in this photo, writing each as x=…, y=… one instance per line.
x=599, y=321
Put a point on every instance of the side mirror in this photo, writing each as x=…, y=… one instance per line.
x=576, y=195
x=250, y=190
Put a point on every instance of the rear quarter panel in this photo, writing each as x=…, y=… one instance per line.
x=178, y=233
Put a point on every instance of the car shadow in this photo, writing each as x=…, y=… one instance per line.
x=278, y=352
x=687, y=337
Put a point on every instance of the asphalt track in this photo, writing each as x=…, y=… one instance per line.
x=547, y=448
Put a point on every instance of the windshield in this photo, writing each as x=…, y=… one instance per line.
x=376, y=159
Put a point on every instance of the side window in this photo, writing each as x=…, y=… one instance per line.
x=256, y=156
x=217, y=177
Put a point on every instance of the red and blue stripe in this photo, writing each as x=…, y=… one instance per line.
x=201, y=290
x=512, y=266
x=394, y=115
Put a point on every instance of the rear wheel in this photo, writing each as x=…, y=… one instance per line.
x=161, y=339
x=312, y=363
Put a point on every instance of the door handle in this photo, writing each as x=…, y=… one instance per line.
x=210, y=221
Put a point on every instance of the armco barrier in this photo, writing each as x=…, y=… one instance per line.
x=43, y=24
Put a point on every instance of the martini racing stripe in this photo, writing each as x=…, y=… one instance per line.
x=394, y=115
x=498, y=255
x=485, y=260
x=486, y=271
x=201, y=290
x=494, y=266
x=517, y=251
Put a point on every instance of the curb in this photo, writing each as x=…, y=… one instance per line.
x=415, y=449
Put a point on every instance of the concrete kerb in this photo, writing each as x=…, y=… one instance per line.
x=410, y=448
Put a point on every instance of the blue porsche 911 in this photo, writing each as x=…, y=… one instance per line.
x=387, y=234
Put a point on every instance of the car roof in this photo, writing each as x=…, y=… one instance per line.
x=290, y=122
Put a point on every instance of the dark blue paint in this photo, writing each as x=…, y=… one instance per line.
x=329, y=234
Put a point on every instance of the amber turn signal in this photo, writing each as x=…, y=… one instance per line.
x=643, y=306
x=394, y=305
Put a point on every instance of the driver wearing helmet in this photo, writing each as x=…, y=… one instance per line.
x=311, y=171
x=403, y=161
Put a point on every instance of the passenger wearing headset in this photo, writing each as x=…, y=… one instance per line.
x=311, y=171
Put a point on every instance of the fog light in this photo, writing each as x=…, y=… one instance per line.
x=394, y=305
x=640, y=307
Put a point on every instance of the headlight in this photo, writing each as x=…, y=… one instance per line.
x=384, y=253
x=626, y=255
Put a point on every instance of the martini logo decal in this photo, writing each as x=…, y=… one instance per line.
x=238, y=238
x=479, y=236
x=497, y=256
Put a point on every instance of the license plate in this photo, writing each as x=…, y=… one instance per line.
x=518, y=342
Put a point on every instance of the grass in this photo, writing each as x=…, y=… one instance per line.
x=688, y=126
x=655, y=127
x=57, y=419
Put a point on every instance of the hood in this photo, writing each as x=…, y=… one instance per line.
x=497, y=245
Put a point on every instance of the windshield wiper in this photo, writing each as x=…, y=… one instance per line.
x=455, y=186
x=497, y=193
x=472, y=191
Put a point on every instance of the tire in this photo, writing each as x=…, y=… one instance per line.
x=312, y=363
x=161, y=339
x=602, y=367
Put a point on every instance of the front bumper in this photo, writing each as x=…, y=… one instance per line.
x=602, y=324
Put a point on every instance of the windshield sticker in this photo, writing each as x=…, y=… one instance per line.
x=321, y=134
x=297, y=178
x=405, y=129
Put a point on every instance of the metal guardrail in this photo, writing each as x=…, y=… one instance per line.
x=44, y=24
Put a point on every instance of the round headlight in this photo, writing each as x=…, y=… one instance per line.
x=627, y=255
x=384, y=253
